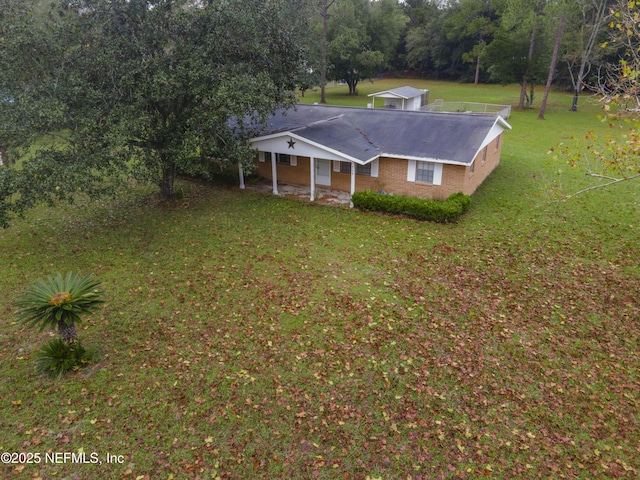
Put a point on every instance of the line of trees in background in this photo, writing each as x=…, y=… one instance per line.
x=480, y=41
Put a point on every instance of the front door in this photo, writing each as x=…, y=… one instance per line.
x=323, y=172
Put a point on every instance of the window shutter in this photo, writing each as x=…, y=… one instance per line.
x=437, y=174
x=411, y=171
x=336, y=166
x=294, y=161
x=374, y=168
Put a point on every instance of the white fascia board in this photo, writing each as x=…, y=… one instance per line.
x=271, y=143
x=424, y=159
x=503, y=122
x=499, y=126
x=388, y=95
x=368, y=161
x=269, y=137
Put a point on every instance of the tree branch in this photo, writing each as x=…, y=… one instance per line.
x=602, y=185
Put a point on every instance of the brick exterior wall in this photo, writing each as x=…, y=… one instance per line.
x=482, y=168
x=392, y=176
x=298, y=175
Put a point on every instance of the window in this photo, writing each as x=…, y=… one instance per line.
x=345, y=167
x=283, y=158
x=484, y=154
x=471, y=167
x=425, y=171
x=498, y=142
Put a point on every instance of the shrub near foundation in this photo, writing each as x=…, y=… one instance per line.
x=420, y=208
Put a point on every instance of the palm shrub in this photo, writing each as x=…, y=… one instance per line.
x=59, y=302
x=57, y=357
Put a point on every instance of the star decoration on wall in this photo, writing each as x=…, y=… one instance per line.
x=291, y=143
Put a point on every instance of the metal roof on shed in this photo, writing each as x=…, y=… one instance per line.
x=400, y=92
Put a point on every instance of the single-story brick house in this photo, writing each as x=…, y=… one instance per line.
x=421, y=154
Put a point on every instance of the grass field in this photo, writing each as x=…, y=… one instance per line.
x=250, y=336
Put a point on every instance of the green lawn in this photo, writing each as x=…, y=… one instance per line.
x=250, y=336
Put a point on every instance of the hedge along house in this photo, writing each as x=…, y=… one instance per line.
x=420, y=154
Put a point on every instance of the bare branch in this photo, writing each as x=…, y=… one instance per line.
x=602, y=185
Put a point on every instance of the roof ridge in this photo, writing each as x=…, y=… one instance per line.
x=318, y=122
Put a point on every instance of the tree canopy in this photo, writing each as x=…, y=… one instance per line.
x=620, y=81
x=614, y=158
x=94, y=90
x=362, y=39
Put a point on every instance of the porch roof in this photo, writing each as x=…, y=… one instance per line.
x=364, y=134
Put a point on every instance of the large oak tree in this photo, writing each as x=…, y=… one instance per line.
x=95, y=91
x=362, y=37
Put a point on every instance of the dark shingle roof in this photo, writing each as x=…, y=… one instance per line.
x=364, y=133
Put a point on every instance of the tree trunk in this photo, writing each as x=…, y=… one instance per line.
x=478, y=49
x=168, y=178
x=323, y=79
x=523, y=93
x=552, y=66
x=599, y=17
x=352, y=87
x=525, y=78
x=67, y=332
x=323, y=75
x=574, y=102
x=530, y=95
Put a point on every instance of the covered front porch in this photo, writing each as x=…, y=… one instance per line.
x=299, y=167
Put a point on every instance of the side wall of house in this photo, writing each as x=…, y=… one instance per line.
x=393, y=178
x=483, y=165
x=392, y=175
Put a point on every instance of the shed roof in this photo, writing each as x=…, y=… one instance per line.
x=400, y=92
x=363, y=134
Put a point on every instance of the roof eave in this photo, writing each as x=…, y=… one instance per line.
x=424, y=159
x=337, y=153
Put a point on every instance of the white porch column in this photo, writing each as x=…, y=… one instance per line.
x=353, y=182
x=274, y=173
x=241, y=175
x=312, y=168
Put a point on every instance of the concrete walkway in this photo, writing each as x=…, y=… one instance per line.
x=324, y=196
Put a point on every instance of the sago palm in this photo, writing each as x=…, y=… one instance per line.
x=59, y=302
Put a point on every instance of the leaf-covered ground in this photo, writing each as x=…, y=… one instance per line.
x=250, y=336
